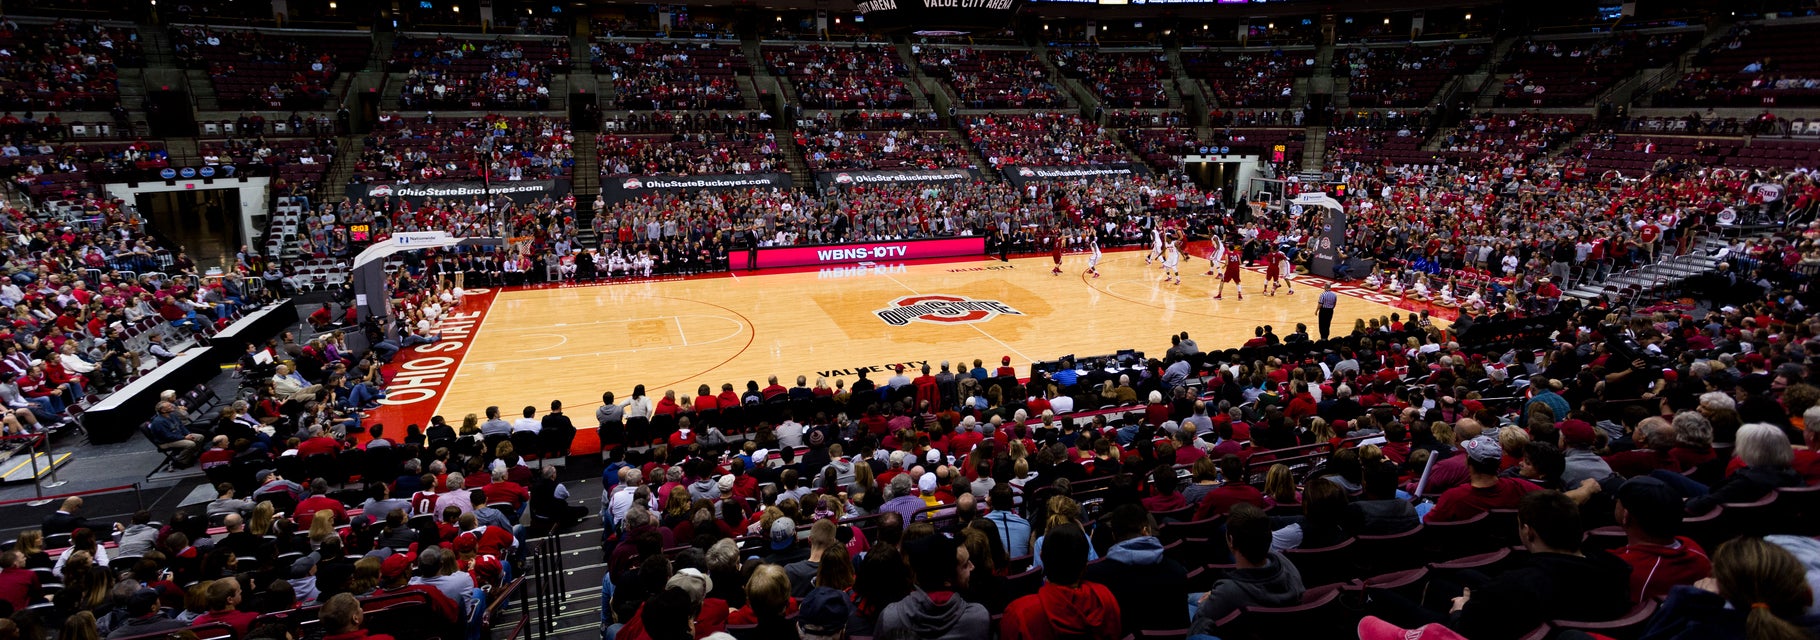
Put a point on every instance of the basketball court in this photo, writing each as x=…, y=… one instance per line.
x=529, y=346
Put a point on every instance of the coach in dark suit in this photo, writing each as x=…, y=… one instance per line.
x=65, y=519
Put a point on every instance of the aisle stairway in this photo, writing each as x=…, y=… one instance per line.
x=1664, y=274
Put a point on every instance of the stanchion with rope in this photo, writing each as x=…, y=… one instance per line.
x=37, y=485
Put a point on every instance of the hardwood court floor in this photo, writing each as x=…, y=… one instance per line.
x=572, y=343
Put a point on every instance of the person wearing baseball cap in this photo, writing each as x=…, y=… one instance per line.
x=823, y=614
x=395, y=577
x=1650, y=512
x=1577, y=441
x=782, y=539
x=1483, y=490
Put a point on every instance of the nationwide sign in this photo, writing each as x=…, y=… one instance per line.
x=522, y=191
x=619, y=188
x=901, y=176
x=1021, y=175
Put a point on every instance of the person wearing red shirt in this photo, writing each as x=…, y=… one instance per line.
x=1166, y=498
x=318, y=445
x=424, y=501
x=489, y=540
x=1067, y=606
x=1234, y=490
x=224, y=601
x=1483, y=490
x=966, y=437
x=1005, y=369
x=1655, y=437
x=19, y=586
x=319, y=500
x=395, y=577
x=705, y=400
x=1650, y=511
x=507, y=492
x=773, y=391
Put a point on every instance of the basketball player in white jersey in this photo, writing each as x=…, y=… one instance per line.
x=1093, y=260
x=1172, y=257
x=1216, y=253
x=1156, y=245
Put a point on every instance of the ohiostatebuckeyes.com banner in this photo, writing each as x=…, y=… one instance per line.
x=617, y=188
x=1021, y=175
x=827, y=179
x=521, y=191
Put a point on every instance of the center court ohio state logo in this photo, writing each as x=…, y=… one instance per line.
x=942, y=309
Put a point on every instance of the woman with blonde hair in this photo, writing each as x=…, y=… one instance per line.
x=366, y=576
x=470, y=426
x=1443, y=434
x=1279, y=487
x=322, y=527
x=260, y=523
x=676, y=507
x=1758, y=591
x=80, y=626
x=1062, y=510
x=31, y=545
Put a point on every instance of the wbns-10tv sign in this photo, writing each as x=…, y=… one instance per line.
x=936, y=17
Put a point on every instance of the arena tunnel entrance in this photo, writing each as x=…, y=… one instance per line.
x=1224, y=173
x=206, y=222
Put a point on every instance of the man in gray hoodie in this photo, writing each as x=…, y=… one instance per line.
x=1145, y=582
x=1262, y=578
x=934, y=611
x=134, y=541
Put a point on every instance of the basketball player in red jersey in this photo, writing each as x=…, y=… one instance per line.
x=1275, y=266
x=1061, y=242
x=1233, y=258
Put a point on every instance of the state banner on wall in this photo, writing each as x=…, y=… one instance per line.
x=616, y=188
x=521, y=191
x=828, y=179
x=1021, y=175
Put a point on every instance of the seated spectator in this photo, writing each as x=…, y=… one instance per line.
x=224, y=602
x=1654, y=438
x=823, y=614
x=342, y=618
x=19, y=586
x=1165, y=497
x=1379, y=511
x=1559, y=581
x=319, y=500
x=1767, y=456
x=143, y=617
x=1757, y=590
x=1484, y=490
x=1143, y=580
x=1234, y=490
x=933, y=610
x=1261, y=578
x=1066, y=606
x=395, y=577
x=1650, y=512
